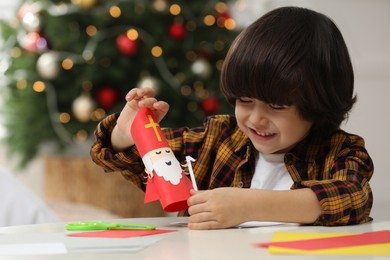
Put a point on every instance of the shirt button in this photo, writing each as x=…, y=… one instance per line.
x=240, y=184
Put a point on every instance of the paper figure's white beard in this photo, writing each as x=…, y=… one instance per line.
x=168, y=167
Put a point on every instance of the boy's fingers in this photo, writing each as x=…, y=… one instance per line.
x=139, y=93
x=147, y=102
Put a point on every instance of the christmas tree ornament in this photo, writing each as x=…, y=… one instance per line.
x=83, y=106
x=31, y=22
x=107, y=97
x=28, y=14
x=202, y=68
x=177, y=31
x=127, y=46
x=167, y=181
x=33, y=42
x=48, y=65
x=210, y=105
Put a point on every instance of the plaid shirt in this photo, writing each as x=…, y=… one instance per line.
x=337, y=169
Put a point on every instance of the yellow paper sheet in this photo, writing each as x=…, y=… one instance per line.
x=369, y=250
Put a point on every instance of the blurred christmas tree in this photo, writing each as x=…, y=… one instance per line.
x=70, y=63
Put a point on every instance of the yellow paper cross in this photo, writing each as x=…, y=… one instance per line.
x=154, y=125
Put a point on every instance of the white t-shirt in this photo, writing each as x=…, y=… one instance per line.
x=271, y=173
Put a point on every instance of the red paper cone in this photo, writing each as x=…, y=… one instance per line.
x=167, y=181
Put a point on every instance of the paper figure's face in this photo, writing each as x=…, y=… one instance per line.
x=166, y=165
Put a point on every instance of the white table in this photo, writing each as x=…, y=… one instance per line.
x=234, y=243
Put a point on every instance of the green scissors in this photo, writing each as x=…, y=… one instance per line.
x=100, y=225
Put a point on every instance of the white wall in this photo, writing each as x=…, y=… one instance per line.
x=365, y=26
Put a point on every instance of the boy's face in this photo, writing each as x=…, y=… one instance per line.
x=272, y=129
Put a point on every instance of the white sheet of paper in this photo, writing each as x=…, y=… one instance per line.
x=107, y=249
x=60, y=243
x=33, y=249
x=250, y=224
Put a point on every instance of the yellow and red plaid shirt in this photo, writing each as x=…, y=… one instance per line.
x=337, y=168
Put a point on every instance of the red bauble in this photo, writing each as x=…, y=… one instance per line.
x=210, y=105
x=177, y=31
x=225, y=15
x=107, y=97
x=127, y=46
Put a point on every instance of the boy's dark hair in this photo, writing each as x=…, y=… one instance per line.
x=293, y=56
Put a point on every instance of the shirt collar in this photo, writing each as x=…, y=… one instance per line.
x=241, y=140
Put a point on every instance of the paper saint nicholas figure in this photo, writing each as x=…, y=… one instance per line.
x=167, y=181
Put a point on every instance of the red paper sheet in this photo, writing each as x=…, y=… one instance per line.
x=369, y=238
x=120, y=233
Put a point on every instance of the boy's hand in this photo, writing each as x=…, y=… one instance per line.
x=213, y=209
x=136, y=98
